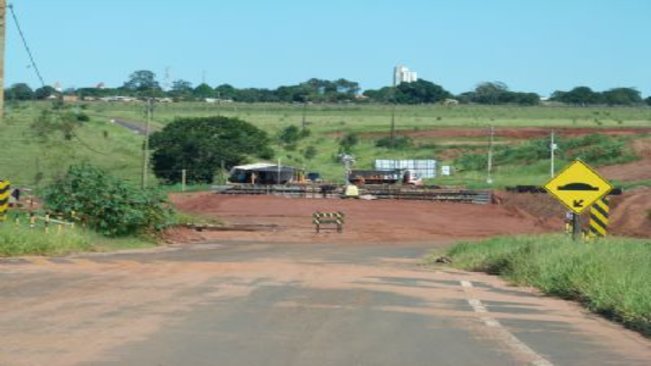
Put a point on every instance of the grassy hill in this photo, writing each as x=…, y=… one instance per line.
x=28, y=162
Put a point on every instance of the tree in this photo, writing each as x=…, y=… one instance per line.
x=225, y=91
x=199, y=145
x=142, y=82
x=44, y=92
x=491, y=93
x=181, y=89
x=648, y=100
x=419, y=92
x=19, y=91
x=622, y=96
x=581, y=95
x=203, y=91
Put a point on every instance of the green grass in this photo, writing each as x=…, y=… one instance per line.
x=21, y=240
x=17, y=239
x=28, y=163
x=609, y=276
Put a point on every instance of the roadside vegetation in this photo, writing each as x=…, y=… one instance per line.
x=609, y=276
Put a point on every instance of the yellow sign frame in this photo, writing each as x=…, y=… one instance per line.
x=578, y=186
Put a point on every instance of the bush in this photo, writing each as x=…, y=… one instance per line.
x=107, y=204
x=310, y=152
x=396, y=143
x=348, y=141
x=471, y=162
x=83, y=117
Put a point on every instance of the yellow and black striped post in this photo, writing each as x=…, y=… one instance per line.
x=599, y=218
x=320, y=218
x=5, y=190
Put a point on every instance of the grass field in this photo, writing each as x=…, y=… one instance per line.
x=29, y=163
x=609, y=276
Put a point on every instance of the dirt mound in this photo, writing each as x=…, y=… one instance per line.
x=290, y=219
x=637, y=170
x=516, y=133
x=629, y=213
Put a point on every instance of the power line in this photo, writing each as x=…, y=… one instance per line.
x=22, y=37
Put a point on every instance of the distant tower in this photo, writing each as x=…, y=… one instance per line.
x=401, y=74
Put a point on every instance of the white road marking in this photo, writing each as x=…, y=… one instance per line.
x=466, y=284
x=511, y=341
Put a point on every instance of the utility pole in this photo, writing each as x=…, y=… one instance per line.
x=552, y=147
x=489, y=179
x=304, y=122
x=3, y=22
x=393, y=123
x=145, y=145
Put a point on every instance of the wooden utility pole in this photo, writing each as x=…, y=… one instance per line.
x=145, y=145
x=3, y=22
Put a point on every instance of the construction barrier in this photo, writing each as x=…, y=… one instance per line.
x=321, y=218
x=599, y=218
x=5, y=190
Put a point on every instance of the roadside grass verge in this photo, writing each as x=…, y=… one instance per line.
x=608, y=276
x=21, y=240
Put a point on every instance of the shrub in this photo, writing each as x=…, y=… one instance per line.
x=396, y=143
x=310, y=152
x=82, y=117
x=347, y=142
x=107, y=204
x=471, y=162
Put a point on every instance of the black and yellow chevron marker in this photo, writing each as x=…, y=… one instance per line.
x=320, y=218
x=5, y=190
x=599, y=218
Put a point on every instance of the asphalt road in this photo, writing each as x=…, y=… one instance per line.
x=293, y=304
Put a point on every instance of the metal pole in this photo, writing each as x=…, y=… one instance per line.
x=576, y=227
x=145, y=148
x=393, y=123
x=183, y=180
x=489, y=179
x=552, y=147
x=278, y=171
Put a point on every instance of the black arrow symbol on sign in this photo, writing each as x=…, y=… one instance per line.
x=577, y=203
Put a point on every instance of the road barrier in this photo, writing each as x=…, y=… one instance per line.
x=5, y=191
x=599, y=218
x=321, y=218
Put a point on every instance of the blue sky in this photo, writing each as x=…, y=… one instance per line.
x=531, y=45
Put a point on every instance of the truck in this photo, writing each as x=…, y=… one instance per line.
x=361, y=177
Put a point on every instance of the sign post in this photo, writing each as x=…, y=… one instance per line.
x=5, y=190
x=577, y=187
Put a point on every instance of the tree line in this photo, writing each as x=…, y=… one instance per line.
x=143, y=84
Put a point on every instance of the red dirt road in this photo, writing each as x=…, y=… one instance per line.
x=518, y=133
x=290, y=219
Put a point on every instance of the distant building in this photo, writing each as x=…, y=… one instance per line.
x=401, y=74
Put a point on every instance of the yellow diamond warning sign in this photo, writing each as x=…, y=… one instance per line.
x=578, y=186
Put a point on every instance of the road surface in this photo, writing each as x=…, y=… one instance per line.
x=288, y=304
